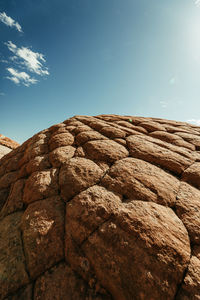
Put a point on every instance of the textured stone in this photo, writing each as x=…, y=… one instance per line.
x=41, y=185
x=188, y=210
x=15, y=199
x=60, y=283
x=43, y=234
x=108, y=151
x=160, y=153
x=3, y=197
x=38, y=163
x=102, y=208
x=152, y=126
x=87, y=136
x=191, y=138
x=77, y=175
x=62, y=139
x=113, y=132
x=190, y=289
x=25, y=293
x=172, y=138
x=7, y=179
x=136, y=179
x=192, y=174
x=129, y=239
x=13, y=274
x=60, y=155
x=88, y=210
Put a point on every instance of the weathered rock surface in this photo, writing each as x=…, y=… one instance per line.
x=104, y=207
x=6, y=145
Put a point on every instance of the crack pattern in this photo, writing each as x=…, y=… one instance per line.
x=111, y=182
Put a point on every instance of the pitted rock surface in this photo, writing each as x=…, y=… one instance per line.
x=104, y=207
x=6, y=145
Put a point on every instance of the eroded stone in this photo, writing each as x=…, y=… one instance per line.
x=43, y=234
x=191, y=284
x=13, y=274
x=78, y=174
x=136, y=179
x=138, y=248
x=108, y=151
x=102, y=208
x=41, y=185
x=160, y=154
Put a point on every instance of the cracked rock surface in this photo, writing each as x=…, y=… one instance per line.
x=103, y=208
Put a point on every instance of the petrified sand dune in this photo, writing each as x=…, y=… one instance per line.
x=104, y=207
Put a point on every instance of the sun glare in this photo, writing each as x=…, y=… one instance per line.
x=193, y=34
x=197, y=3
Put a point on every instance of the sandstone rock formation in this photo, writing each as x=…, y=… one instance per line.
x=6, y=145
x=104, y=207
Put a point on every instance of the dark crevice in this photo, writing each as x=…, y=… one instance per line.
x=48, y=269
x=32, y=281
x=179, y=286
x=90, y=280
x=33, y=290
x=197, y=148
x=4, y=216
x=85, y=189
x=186, y=269
x=10, y=296
x=187, y=168
x=96, y=229
x=177, y=193
x=24, y=252
x=125, y=198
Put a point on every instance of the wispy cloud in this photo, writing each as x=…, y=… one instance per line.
x=2, y=94
x=32, y=60
x=163, y=104
x=9, y=21
x=194, y=121
x=20, y=77
x=5, y=61
x=23, y=60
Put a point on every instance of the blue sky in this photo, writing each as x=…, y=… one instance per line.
x=61, y=58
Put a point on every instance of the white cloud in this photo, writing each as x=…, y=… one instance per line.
x=20, y=77
x=5, y=61
x=194, y=121
x=32, y=60
x=163, y=104
x=2, y=94
x=9, y=21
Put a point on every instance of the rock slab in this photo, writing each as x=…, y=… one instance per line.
x=6, y=145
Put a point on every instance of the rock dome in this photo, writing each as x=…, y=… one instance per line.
x=6, y=145
x=104, y=207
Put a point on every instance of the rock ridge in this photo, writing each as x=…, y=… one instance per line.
x=6, y=145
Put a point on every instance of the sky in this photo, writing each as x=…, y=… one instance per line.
x=62, y=58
